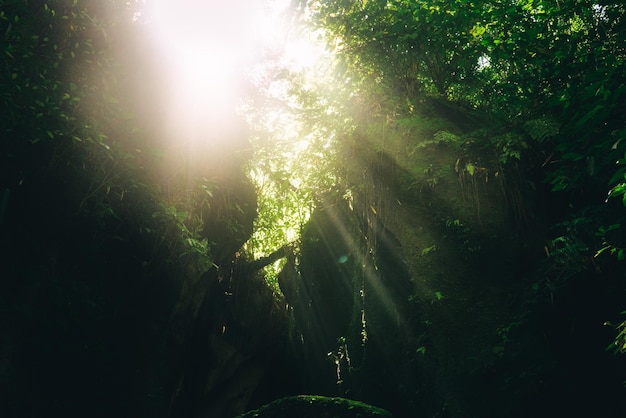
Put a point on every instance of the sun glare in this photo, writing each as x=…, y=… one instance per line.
x=302, y=53
x=211, y=52
x=205, y=47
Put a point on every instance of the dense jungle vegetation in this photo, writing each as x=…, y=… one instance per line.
x=406, y=207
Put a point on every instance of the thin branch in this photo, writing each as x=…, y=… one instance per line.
x=283, y=251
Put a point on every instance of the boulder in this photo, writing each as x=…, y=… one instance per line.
x=307, y=406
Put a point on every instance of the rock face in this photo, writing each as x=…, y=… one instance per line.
x=232, y=341
x=228, y=217
x=401, y=289
x=353, y=308
x=317, y=407
x=226, y=328
x=107, y=307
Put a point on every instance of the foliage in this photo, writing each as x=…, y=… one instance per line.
x=59, y=89
x=294, y=120
x=83, y=227
x=552, y=73
x=544, y=83
x=529, y=59
x=619, y=343
x=569, y=253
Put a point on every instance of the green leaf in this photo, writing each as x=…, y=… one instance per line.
x=589, y=115
x=470, y=168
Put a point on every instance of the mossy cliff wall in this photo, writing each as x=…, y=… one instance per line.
x=407, y=273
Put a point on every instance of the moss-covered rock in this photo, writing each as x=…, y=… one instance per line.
x=307, y=406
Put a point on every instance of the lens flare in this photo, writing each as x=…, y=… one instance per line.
x=205, y=47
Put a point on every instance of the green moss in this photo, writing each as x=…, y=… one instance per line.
x=307, y=406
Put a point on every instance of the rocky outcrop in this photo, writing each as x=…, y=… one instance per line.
x=317, y=407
